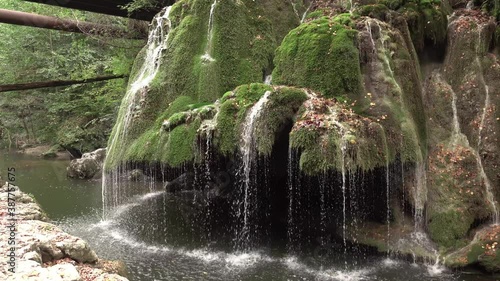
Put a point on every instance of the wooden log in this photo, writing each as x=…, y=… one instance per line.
x=54, y=83
x=35, y=20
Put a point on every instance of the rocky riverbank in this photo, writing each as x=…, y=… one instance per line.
x=42, y=250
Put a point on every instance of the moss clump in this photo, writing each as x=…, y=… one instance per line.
x=330, y=136
x=377, y=11
x=180, y=145
x=283, y=102
x=282, y=106
x=320, y=55
x=144, y=147
x=449, y=229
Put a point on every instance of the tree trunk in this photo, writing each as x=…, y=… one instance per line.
x=55, y=83
x=35, y=20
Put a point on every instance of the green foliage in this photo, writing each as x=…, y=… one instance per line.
x=136, y=5
x=80, y=115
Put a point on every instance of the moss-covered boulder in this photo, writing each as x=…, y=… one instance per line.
x=324, y=55
x=211, y=48
x=482, y=251
x=321, y=55
x=460, y=98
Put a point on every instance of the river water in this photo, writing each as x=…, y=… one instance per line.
x=152, y=234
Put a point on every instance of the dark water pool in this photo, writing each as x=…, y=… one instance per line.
x=149, y=233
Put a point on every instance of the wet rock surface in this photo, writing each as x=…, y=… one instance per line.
x=42, y=250
x=88, y=166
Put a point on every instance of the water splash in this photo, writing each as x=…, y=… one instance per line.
x=207, y=57
x=248, y=156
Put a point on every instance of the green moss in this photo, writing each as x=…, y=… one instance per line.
x=177, y=119
x=320, y=55
x=377, y=11
x=180, y=146
x=476, y=251
x=449, y=229
x=226, y=128
x=245, y=36
x=315, y=15
x=282, y=107
x=232, y=113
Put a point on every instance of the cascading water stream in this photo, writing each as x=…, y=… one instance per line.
x=343, y=149
x=268, y=80
x=385, y=56
x=207, y=57
x=248, y=157
x=157, y=42
x=489, y=190
x=293, y=200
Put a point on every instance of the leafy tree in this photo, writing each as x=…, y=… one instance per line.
x=78, y=116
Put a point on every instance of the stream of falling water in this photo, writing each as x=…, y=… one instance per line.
x=386, y=61
x=248, y=157
x=157, y=42
x=210, y=34
x=269, y=79
x=304, y=15
x=489, y=190
x=293, y=199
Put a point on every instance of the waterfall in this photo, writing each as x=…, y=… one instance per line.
x=368, y=26
x=489, y=190
x=293, y=199
x=305, y=13
x=294, y=8
x=248, y=157
x=157, y=42
x=420, y=195
x=470, y=5
x=207, y=57
x=269, y=79
x=343, y=149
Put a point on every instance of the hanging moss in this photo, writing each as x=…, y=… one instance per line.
x=320, y=55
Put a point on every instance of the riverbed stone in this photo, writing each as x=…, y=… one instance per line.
x=43, y=251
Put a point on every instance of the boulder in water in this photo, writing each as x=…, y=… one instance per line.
x=88, y=166
x=184, y=182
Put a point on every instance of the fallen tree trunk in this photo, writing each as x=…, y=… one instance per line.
x=55, y=83
x=35, y=20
